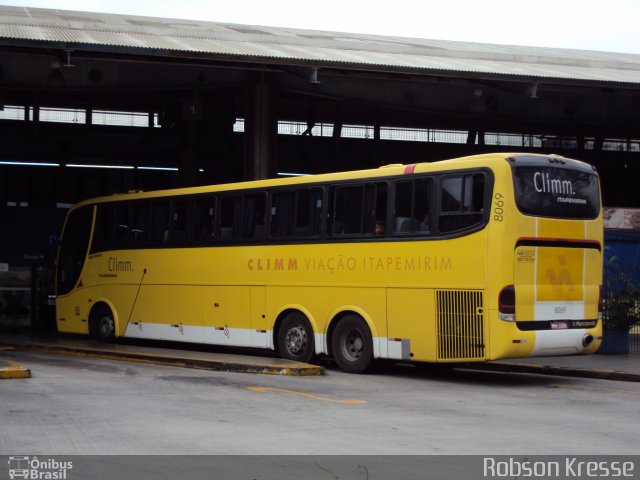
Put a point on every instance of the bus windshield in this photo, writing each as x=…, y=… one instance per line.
x=559, y=192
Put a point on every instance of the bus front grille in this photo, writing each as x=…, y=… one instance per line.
x=460, y=329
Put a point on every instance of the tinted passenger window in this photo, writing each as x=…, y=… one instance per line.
x=461, y=202
x=230, y=218
x=140, y=224
x=160, y=223
x=180, y=221
x=413, y=207
x=357, y=209
x=347, y=212
x=122, y=226
x=243, y=217
x=296, y=213
x=253, y=217
x=205, y=216
x=375, y=208
x=283, y=211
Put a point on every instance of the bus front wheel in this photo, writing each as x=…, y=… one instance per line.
x=102, y=325
x=352, y=345
x=296, y=339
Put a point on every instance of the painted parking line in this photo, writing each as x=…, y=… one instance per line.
x=306, y=395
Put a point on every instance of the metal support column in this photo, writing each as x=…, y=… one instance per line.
x=260, y=133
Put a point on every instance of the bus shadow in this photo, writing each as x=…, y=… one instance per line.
x=454, y=373
x=464, y=374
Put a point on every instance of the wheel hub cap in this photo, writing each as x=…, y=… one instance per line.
x=354, y=345
x=296, y=339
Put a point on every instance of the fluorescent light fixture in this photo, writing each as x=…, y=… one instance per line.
x=289, y=174
x=31, y=164
x=201, y=170
x=164, y=169
x=113, y=167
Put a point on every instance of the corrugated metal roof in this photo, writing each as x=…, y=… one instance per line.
x=319, y=48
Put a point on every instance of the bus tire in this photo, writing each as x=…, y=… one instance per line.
x=352, y=345
x=296, y=338
x=102, y=325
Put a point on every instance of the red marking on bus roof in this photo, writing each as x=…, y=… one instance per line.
x=409, y=169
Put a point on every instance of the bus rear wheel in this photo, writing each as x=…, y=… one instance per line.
x=296, y=338
x=352, y=345
x=102, y=325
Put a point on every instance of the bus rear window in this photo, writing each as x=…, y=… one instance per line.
x=556, y=192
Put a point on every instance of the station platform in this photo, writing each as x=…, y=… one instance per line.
x=85, y=347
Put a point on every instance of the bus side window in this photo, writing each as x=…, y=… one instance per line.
x=403, y=208
x=179, y=224
x=461, y=202
x=230, y=218
x=205, y=216
x=314, y=205
x=160, y=223
x=347, y=216
x=140, y=224
x=422, y=205
x=412, y=209
x=375, y=208
x=296, y=213
x=283, y=214
x=253, y=217
x=477, y=198
x=122, y=226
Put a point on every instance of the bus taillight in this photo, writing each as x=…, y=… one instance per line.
x=600, y=304
x=507, y=304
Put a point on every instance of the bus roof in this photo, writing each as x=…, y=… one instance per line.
x=391, y=170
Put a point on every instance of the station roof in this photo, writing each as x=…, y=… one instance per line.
x=23, y=26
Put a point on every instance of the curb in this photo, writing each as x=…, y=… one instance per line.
x=14, y=372
x=558, y=371
x=13, y=369
x=265, y=368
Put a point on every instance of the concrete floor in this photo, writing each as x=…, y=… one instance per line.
x=90, y=406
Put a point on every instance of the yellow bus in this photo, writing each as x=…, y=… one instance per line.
x=463, y=260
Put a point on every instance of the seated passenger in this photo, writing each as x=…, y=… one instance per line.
x=425, y=224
